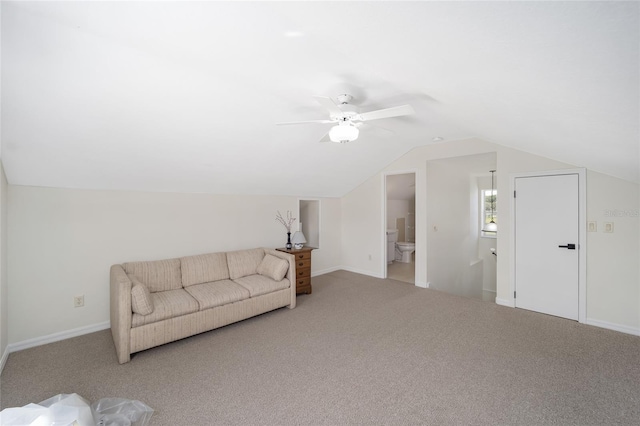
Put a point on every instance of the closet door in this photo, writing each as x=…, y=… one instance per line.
x=546, y=244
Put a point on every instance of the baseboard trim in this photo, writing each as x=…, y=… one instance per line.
x=615, y=327
x=56, y=337
x=505, y=302
x=360, y=271
x=325, y=271
x=422, y=284
x=3, y=360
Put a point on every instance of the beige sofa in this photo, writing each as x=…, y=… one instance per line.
x=161, y=301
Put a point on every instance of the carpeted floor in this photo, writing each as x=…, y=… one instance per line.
x=359, y=350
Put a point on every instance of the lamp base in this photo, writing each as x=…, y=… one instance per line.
x=298, y=246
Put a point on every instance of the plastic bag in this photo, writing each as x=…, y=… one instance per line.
x=29, y=415
x=121, y=412
x=60, y=410
x=74, y=410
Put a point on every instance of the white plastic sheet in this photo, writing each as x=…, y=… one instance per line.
x=60, y=410
x=74, y=410
x=121, y=412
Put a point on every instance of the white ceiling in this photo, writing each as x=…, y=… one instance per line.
x=183, y=96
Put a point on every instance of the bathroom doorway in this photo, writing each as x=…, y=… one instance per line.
x=400, y=211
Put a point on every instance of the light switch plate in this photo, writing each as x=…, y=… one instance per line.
x=608, y=227
x=592, y=226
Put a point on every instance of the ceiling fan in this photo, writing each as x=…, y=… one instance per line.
x=347, y=118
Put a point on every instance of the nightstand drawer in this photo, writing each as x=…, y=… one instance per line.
x=303, y=272
x=303, y=256
x=305, y=263
x=303, y=282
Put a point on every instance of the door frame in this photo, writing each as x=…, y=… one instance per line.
x=582, y=233
x=418, y=226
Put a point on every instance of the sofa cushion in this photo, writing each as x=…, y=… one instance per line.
x=167, y=304
x=141, y=302
x=259, y=284
x=158, y=275
x=244, y=262
x=217, y=293
x=204, y=268
x=273, y=267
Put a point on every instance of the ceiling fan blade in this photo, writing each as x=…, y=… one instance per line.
x=305, y=122
x=325, y=138
x=375, y=129
x=329, y=104
x=387, y=113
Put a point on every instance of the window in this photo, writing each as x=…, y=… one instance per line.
x=488, y=211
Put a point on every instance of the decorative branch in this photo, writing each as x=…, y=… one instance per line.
x=286, y=222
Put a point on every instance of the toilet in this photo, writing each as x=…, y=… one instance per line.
x=404, y=250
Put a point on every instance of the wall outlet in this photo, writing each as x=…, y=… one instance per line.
x=592, y=226
x=608, y=227
x=78, y=301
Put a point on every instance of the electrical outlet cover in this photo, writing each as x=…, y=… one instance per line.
x=608, y=227
x=592, y=226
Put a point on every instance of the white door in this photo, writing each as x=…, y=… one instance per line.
x=546, y=244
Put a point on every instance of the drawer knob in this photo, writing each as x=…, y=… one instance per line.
x=300, y=256
x=300, y=264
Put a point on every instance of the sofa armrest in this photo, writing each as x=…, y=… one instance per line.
x=291, y=272
x=120, y=297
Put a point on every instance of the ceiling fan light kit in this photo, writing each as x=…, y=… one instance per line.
x=344, y=132
x=347, y=117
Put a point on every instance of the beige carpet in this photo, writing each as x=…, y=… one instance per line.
x=358, y=350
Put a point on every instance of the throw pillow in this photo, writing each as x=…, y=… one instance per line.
x=141, y=302
x=273, y=267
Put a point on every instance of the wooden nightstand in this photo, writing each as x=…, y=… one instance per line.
x=303, y=268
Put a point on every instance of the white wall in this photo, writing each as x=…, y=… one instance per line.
x=328, y=257
x=4, y=331
x=4, y=312
x=363, y=243
x=452, y=247
x=361, y=226
x=396, y=209
x=62, y=243
x=456, y=258
x=613, y=279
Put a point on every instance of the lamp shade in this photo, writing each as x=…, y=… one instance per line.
x=298, y=239
x=491, y=227
x=343, y=133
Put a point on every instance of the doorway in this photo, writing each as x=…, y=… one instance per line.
x=400, y=219
x=309, y=221
x=549, y=243
x=461, y=252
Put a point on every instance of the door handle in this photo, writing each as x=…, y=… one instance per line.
x=569, y=246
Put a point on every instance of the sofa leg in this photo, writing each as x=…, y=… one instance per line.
x=123, y=358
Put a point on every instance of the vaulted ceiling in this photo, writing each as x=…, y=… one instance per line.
x=184, y=96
